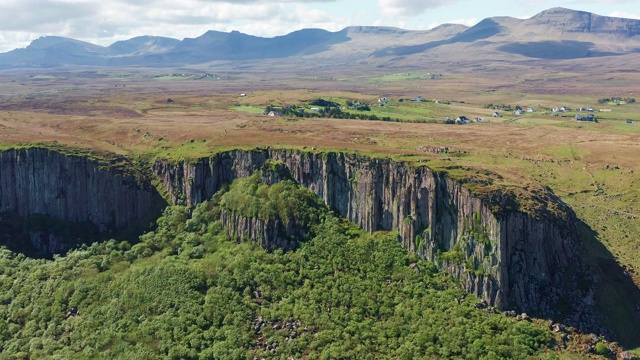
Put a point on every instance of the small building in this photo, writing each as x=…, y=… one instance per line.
x=383, y=100
x=243, y=95
x=274, y=113
x=481, y=120
x=531, y=110
x=315, y=109
x=629, y=122
x=587, y=118
x=418, y=99
x=496, y=114
x=518, y=112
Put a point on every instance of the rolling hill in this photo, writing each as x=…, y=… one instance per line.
x=554, y=34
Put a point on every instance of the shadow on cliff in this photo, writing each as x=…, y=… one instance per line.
x=555, y=50
x=41, y=236
x=617, y=297
x=483, y=30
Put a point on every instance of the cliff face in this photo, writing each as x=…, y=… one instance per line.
x=271, y=235
x=513, y=260
x=40, y=181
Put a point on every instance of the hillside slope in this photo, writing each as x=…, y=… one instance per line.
x=554, y=34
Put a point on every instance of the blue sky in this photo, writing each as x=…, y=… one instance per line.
x=104, y=22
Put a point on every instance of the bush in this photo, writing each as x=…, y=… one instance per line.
x=601, y=349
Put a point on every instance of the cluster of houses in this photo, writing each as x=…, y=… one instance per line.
x=521, y=111
x=382, y=101
x=518, y=110
x=465, y=120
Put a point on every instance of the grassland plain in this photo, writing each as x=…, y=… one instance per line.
x=594, y=167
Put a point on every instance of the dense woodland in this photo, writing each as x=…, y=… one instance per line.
x=184, y=291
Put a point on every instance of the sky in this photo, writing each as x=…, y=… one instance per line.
x=106, y=21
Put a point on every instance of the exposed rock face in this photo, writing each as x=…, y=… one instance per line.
x=511, y=259
x=585, y=22
x=41, y=181
x=270, y=235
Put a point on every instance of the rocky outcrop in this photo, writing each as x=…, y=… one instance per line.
x=574, y=21
x=73, y=188
x=512, y=259
x=270, y=235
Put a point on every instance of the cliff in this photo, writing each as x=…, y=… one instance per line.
x=72, y=188
x=270, y=208
x=510, y=258
x=270, y=234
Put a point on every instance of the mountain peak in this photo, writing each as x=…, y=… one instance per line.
x=48, y=41
x=576, y=21
x=558, y=15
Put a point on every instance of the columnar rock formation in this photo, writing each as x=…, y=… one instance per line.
x=512, y=259
x=271, y=234
x=74, y=188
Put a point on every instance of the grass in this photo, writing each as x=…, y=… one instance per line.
x=399, y=77
x=251, y=109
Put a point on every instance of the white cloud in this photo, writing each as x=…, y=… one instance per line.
x=267, y=1
x=409, y=7
x=622, y=14
x=30, y=15
x=107, y=21
x=284, y=22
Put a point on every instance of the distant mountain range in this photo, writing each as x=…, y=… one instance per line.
x=554, y=34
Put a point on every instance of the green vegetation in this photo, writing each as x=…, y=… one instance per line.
x=339, y=108
x=186, y=292
x=327, y=112
x=478, y=230
x=284, y=201
x=616, y=101
x=251, y=109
